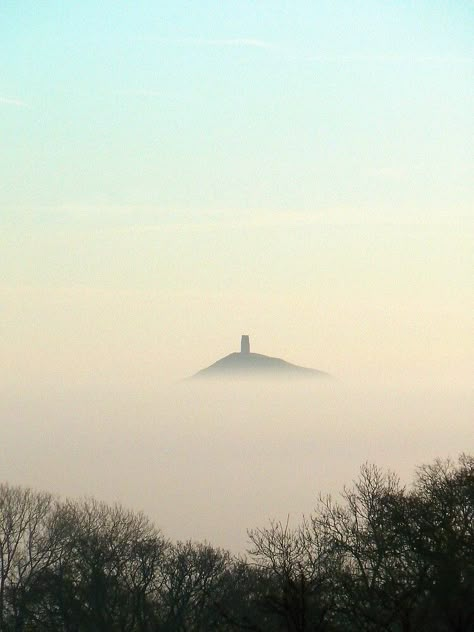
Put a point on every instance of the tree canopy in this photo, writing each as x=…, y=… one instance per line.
x=381, y=557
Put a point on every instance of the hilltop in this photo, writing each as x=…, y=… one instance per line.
x=247, y=364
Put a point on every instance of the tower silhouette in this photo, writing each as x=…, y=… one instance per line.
x=245, y=345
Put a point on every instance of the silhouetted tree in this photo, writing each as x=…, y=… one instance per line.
x=194, y=579
x=406, y=556
x=298, y=564
x=110, y=567
x=437, y=523
x=382, y=558
x=26, y=550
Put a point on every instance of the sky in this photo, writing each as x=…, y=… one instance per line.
x=176, y=174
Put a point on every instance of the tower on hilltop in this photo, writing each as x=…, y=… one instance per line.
x=251, y=364
x=245, y=345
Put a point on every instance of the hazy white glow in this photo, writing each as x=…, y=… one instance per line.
x=208, y=461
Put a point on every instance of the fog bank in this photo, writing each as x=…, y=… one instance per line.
x=209, y=460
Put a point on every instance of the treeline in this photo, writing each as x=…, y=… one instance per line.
x=381, y=558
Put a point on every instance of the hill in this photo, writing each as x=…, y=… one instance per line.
x=247, y=364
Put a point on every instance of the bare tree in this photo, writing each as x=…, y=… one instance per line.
x=194, y=581
x=378, y=582
x=442, y=509
x=110, y=566
x=382, y=558
x=26, y=549
x=298, y=564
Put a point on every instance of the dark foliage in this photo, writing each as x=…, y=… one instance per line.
x=382, y=558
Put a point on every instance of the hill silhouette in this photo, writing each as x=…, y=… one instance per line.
x=247, y=364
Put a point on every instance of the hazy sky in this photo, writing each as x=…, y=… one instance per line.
x=175, y=174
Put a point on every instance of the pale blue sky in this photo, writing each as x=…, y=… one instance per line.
x=307, y=163
x=238, y=105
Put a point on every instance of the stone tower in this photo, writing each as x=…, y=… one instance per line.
x=245, y=345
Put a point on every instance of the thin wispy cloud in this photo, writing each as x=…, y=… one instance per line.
x=14, y=102
x=337, y=217
x=385, y=58
x=141, y=93
x=300, y=55
x=242, y=42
